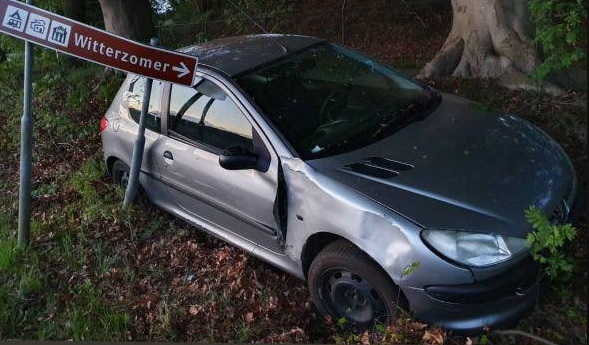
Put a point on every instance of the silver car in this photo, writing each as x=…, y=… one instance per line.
x=378, y=191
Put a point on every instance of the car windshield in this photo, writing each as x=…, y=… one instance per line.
x=328, y=100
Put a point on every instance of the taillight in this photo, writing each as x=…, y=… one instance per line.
x=103, y=123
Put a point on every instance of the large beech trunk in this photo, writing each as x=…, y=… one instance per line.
x=489, y=38
x=128, y=18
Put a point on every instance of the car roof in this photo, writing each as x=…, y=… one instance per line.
x=234, y=55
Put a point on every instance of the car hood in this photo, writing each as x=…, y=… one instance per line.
x=462, y=167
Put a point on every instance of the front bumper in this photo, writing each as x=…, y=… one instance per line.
x=494, y=303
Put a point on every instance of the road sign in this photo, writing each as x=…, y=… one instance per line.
x=67, y=36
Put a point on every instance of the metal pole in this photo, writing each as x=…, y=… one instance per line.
x=26, y=151
x=139, y=143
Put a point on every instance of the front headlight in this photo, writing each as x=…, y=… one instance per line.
x=474, y=249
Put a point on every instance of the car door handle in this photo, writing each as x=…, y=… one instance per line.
x=168, y=157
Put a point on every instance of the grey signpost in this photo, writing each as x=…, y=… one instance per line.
x=139, y=142
x=26, y=151
x=43, y=28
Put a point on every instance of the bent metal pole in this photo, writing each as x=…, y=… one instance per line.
x=26, y=151
x=139, y=143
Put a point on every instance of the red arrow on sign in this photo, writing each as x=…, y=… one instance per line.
x=67, y=36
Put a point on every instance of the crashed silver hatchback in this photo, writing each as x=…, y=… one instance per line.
x=377, y=190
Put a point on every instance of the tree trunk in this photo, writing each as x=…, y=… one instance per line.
x=128, y=18
x=75, y=9
x=489, y=38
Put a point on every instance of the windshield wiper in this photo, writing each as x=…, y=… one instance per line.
x=398, y=118
x=413, y=111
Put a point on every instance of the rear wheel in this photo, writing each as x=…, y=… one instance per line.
x=346, y=284
x=120, y=173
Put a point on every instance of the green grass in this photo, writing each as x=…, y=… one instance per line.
x=29, y=283
x=86, y=317
x=8, y=247
x=8, y=255
x=37, y=298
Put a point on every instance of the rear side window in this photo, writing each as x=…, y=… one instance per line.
x=134, y=98
x=207, y=115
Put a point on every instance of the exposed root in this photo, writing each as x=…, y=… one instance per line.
x=445, y=62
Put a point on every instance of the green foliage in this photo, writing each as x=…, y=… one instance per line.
x=410, y=268
x=80, y=84
x=547, y=242
x=46, y=189
x=91, y=203
x=342, y=322
x=561, y=30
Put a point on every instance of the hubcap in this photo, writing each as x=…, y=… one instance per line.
x=348, y=295
x=124, y=178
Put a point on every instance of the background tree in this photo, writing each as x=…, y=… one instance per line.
x=511, y=40
x=130, y=18
x=489, y=38
x=75, y=9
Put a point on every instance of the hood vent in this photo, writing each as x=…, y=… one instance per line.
x=388, y=164
x=377, y=167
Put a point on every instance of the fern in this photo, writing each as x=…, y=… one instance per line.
x=547, y=242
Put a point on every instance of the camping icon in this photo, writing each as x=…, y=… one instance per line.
x=15, y=20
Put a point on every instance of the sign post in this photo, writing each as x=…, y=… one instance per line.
x=80, y=40
x=139, y=143
x=40, y=27
x=26, y=151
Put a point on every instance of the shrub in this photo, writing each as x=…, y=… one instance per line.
x=547, y=242
x=561, y=31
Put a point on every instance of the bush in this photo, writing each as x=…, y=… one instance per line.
x=561, y=31
x=547, y=242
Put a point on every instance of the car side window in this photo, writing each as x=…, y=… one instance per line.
x=207, y=115
x=134, y=97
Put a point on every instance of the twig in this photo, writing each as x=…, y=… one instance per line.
x=524, y=334
x=71, y=145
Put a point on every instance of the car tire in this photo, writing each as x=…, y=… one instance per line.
x=347, y=285
x=120, y=173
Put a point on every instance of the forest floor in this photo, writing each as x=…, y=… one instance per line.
x=96, y=272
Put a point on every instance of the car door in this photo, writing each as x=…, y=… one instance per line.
x=132, y=104
x=202, y=123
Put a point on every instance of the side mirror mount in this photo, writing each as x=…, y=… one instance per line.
x=238, y=158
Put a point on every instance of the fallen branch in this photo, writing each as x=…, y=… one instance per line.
x=524, y=334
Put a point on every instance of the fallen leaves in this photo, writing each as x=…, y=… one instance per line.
x=434, y=337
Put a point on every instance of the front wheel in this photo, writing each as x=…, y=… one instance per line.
x=346, y=284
